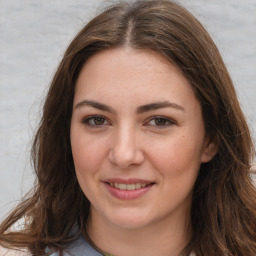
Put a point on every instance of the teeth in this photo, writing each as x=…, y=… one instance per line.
x=130, y=186
x=122, y=186
x=138, y=185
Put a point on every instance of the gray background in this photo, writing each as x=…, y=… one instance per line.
x=33, y=37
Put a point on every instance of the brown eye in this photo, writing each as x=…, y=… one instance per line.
x=98, y=120
x=160, y=121
x=95, y=121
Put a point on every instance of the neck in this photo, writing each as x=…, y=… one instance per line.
x=165, y=237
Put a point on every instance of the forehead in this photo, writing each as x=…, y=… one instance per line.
x=130, y=59
x=126, y=75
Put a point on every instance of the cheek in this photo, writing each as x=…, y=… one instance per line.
x=87, y=159
x=85, y=151
x=176, y=156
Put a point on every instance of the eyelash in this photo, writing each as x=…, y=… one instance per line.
x=164, y=121
x=88, y=119
x=167, y=121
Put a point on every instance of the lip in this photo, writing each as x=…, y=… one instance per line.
x=128, y=194
x=127, y=181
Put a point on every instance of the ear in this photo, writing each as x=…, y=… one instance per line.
x=209, y=151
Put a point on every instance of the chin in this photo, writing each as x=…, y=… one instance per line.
x=130, y=224
x=130, y=220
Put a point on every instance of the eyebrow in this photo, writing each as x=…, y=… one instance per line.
x=158, y=105
x=95, y=104
x=140, y=109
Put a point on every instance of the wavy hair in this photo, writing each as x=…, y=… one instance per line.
x=223, y=212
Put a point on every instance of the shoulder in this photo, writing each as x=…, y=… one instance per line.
x=9, y=252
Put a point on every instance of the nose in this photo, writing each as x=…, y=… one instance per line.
x=125, y=150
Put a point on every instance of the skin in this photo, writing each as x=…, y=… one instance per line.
x=164, y=145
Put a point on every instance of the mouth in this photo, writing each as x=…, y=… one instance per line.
x=129, y=187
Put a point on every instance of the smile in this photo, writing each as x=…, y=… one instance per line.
x=129, y=187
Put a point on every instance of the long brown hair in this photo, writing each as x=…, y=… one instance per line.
x=223, y=210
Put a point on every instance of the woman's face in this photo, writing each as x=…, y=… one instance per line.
x=137, y=138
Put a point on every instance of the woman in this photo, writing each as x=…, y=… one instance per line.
x=142, y=148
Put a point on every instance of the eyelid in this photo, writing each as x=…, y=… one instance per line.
x=169, y=121
x=86, y=120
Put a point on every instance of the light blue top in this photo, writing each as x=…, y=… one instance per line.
x=79, y=248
